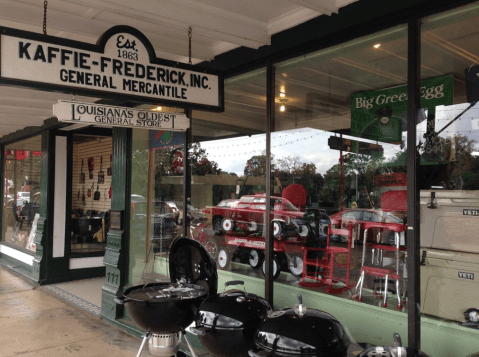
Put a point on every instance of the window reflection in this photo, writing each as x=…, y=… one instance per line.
x=21, y=201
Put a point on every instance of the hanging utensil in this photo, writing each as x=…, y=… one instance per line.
x=101, y=173
x=82, y=175
x=96, y=196
x=88, y=193
x=83, y=196
x=90, y=167
x=108, y=170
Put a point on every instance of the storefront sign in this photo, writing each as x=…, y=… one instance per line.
x=75, y=113
x=390, y=180
x=121, y=66
x=381, y=114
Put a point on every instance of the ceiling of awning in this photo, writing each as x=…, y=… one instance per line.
x=218, y=26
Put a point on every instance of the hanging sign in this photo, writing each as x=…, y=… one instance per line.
x=381, y=114
x=122, y=65
x=79, y=113
x=391, y=180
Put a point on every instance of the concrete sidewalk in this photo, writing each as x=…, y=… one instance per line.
x=37, y=323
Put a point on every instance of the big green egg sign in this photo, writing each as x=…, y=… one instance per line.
x=381, y=114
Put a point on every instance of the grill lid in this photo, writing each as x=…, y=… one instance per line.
x=302, y=331
x=190, y=263
x=233, y=309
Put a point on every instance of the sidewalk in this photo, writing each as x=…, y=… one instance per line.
x=36, y=323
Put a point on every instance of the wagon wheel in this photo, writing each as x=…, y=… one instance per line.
x=255, y=258
x=224, y=259
x=217, y=226
x=305, y=230
x=295, y=265
x=277, y=228
x=227, y=225
x=276, y=267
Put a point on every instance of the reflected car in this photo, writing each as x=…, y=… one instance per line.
x=361, y=216
x=194, y=214
x=22, y=198
x=232, y=202
x=175, y=209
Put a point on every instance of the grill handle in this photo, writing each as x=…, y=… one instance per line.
x=199, y=330
x=234, y=282
x=121, y=300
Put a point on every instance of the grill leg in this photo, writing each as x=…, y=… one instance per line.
x=361, y=287
x=385, y=290
x=193, y=354
x=398, y=293
x=146, y=337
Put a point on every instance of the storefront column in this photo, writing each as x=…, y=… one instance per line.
x=413, y=232
x=269, y=244
x=42, y=243
x=115, y=258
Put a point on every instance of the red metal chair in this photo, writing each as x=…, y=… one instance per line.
x=376, y=267
x=328, y=262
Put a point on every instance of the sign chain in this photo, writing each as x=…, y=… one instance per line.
x=45, y=4
x=189, y=44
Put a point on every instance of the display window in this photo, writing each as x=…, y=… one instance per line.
x=156, y=193
x=91, y=193
x=21, y=201
x=448, y=177
x=228, y=181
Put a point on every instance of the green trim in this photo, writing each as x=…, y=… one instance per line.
x=16, y=265
x=41, y=236
x=46, y=268
x=87, y=273
x=117, y=242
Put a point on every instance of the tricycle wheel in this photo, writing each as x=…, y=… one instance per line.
x=223, y=259
x=255, y=258
x=212, y=248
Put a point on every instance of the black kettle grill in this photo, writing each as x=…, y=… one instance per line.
x=226, y=322
x=300, y=332
x=164, y=310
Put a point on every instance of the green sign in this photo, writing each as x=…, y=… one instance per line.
x=381, y=114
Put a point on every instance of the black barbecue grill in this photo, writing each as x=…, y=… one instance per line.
x=164, y=310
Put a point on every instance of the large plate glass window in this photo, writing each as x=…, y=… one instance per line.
x=228, y=165
x=156, y=194
x=339, y=185
x=21, y=199
x=449, y=169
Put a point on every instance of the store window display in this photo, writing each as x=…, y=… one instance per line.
x=21, y=201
